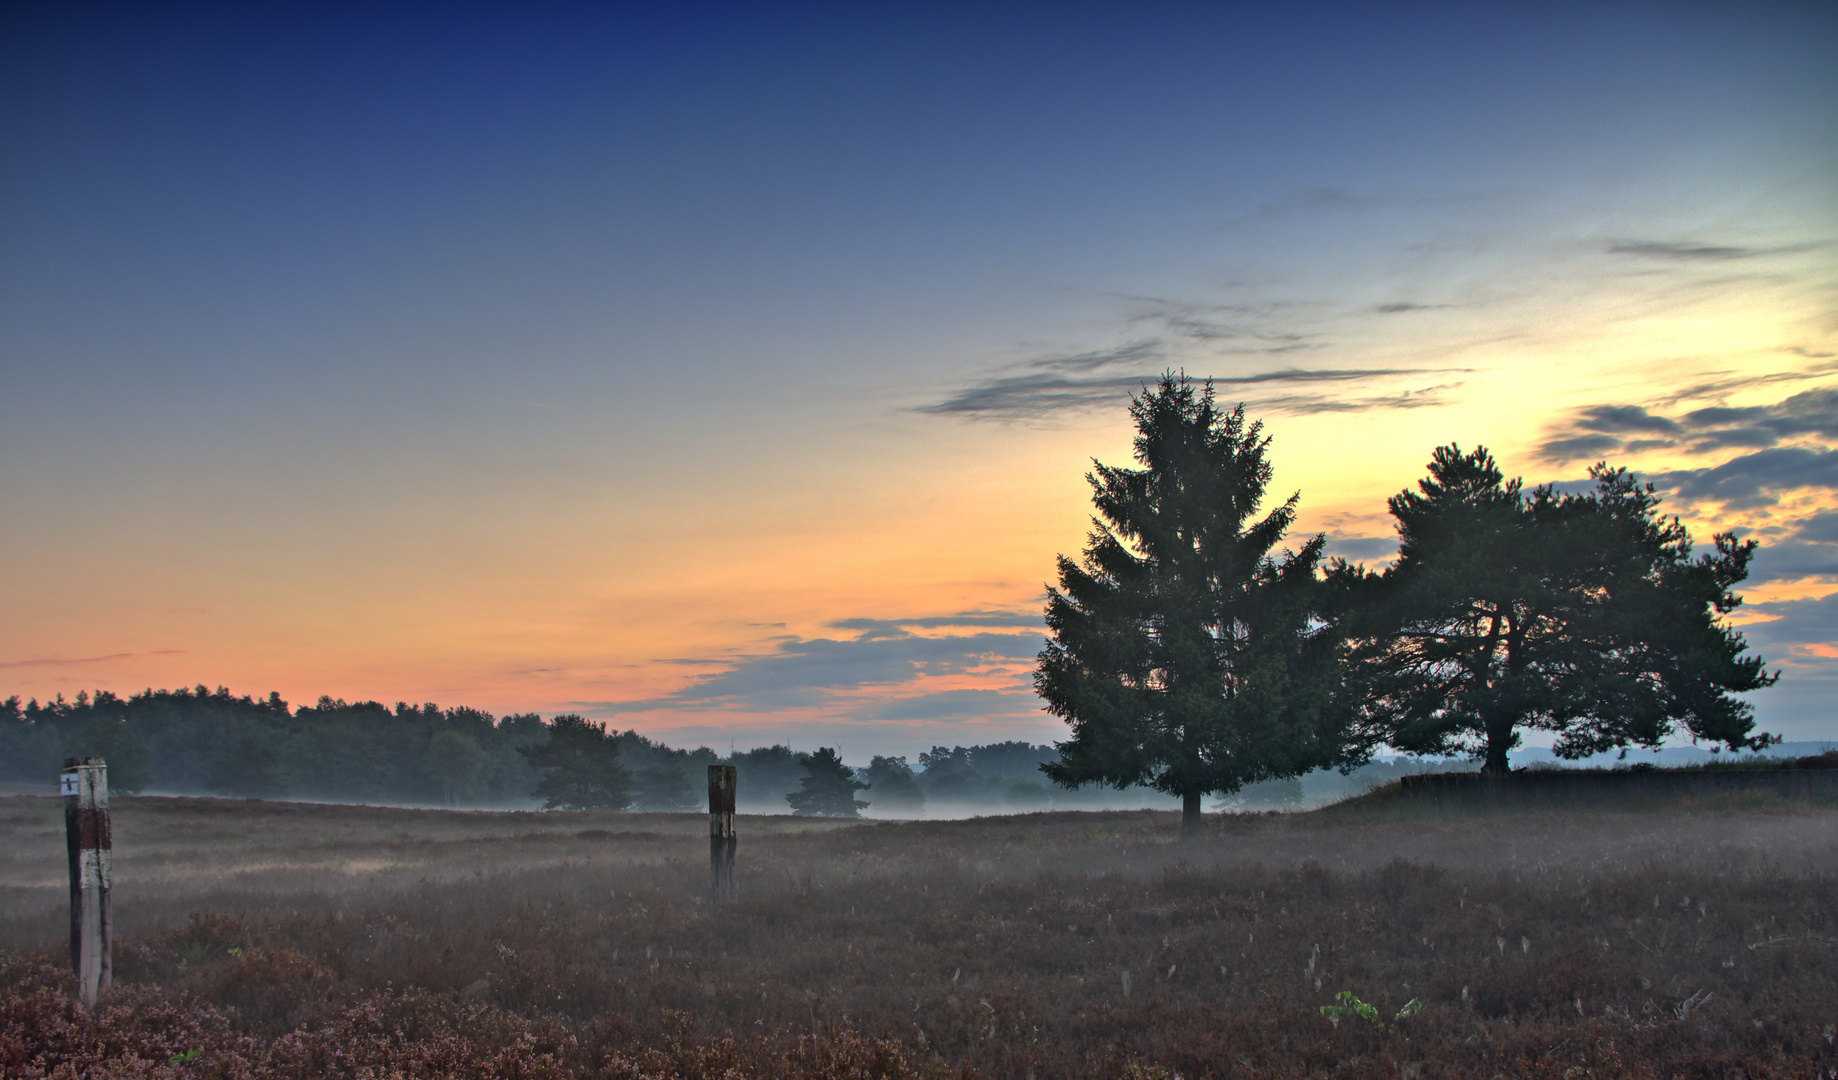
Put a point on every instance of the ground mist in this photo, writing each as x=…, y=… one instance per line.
x=264, y=939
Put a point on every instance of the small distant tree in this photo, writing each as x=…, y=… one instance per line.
x=1584, y=615
x=583, y=767
x=1182, y=653
x=890, y=781
x=828, y=788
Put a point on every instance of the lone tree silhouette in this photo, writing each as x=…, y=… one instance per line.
x=1584, y=615
x=1182, y=654
x=828, y=788
x=584, y=770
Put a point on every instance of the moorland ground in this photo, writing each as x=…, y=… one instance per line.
x=288, y=939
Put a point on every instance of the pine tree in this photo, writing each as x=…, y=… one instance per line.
x=584, y=770
x=1183, y=654
x=1583, y=615
x=828, y=788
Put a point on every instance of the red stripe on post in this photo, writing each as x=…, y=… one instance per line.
x=84, y=784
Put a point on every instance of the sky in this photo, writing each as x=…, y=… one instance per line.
x=731, y=372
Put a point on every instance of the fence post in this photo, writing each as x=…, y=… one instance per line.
x=84, y=784
x=721, y=838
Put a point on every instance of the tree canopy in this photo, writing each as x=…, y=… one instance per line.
x=828, y=788
x=129, y=763
x=584, y=770
x=890, y=781
x=1182, y=653
x=1581, y=614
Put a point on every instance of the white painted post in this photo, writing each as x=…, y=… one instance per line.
x=84, y=784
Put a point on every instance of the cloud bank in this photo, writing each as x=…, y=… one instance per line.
x=1605, y=429
x=880, y=673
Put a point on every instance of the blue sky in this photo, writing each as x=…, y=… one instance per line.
x=556, y=356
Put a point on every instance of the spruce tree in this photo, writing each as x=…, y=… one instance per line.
x=828, y=788
x=583, y=767
x=1182, y=653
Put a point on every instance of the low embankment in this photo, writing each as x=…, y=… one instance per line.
x=1813, y=779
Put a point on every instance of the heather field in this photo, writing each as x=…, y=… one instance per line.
x=283, y=939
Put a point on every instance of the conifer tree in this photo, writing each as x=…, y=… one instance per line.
x=828, y=788
x=1183, y=654
x=584, y=770
x=1584, y=615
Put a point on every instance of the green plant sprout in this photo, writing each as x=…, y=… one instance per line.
x=1348, y=1005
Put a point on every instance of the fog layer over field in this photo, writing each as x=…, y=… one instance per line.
x=1648, y=939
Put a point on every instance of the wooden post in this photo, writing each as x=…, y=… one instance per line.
x=721, y=838
x=84, y=783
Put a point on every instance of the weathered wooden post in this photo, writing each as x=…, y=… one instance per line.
x=721, y=838
x=84, y=783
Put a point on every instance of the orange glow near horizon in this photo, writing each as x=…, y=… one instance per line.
x=736, y=379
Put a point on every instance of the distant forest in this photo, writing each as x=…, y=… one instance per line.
x=211, y=742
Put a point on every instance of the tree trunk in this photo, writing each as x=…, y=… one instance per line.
x=1190, y=815
x=1499, y=739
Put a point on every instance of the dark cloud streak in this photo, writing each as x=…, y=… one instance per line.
x=1100, y=378
x=1754, y=480
x=1048, y=392
x=1597, y=431
x=1663, y=249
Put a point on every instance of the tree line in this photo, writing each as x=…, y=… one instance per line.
x=211, y=742
x=1186, y=654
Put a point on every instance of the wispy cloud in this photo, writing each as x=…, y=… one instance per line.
x=1686, y=250
x=1309, y=404
x=1306, y=201
x=1723, y=384
x=84, y=659
x=1697, y=251
x=81, y=660
x=1048, y=391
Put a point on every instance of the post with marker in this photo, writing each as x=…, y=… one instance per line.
x=721, y=838
x=84, y=784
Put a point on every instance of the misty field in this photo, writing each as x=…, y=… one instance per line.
x=284, y=939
